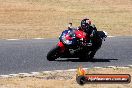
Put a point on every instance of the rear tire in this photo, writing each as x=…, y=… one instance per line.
x=87, y=56
x=82, y=56
x=91, y=55
x=53, y=53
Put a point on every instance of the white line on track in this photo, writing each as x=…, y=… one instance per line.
x=12, y=39
x=37, y=73
x=40, y=38
x=111, y=36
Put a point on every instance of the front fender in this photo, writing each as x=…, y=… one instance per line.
x=61, y=45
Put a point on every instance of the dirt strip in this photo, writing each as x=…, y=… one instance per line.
x=64, y=79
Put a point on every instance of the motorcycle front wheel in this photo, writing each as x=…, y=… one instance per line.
x=53, y=53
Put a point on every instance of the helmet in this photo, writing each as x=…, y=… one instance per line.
x=85, y=23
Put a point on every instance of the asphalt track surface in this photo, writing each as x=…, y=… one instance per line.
x=18, y=56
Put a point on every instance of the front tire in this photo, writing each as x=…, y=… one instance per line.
x=53, y=53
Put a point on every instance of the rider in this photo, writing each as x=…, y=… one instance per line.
x=89, y=29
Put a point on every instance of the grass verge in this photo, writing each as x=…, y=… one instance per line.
x=65, y=79
x=25, y=19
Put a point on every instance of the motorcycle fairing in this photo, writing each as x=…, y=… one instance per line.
x=68, y=37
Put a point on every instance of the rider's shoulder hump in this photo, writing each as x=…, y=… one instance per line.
x=93, y=25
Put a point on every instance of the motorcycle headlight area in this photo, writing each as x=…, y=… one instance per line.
x=68, y=42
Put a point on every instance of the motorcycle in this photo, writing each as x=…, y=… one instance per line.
x=73, y=43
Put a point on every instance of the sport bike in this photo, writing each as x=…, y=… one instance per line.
x=74, y=43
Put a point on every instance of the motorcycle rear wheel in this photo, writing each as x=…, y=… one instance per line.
x=87, y=56
x=53, y=53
